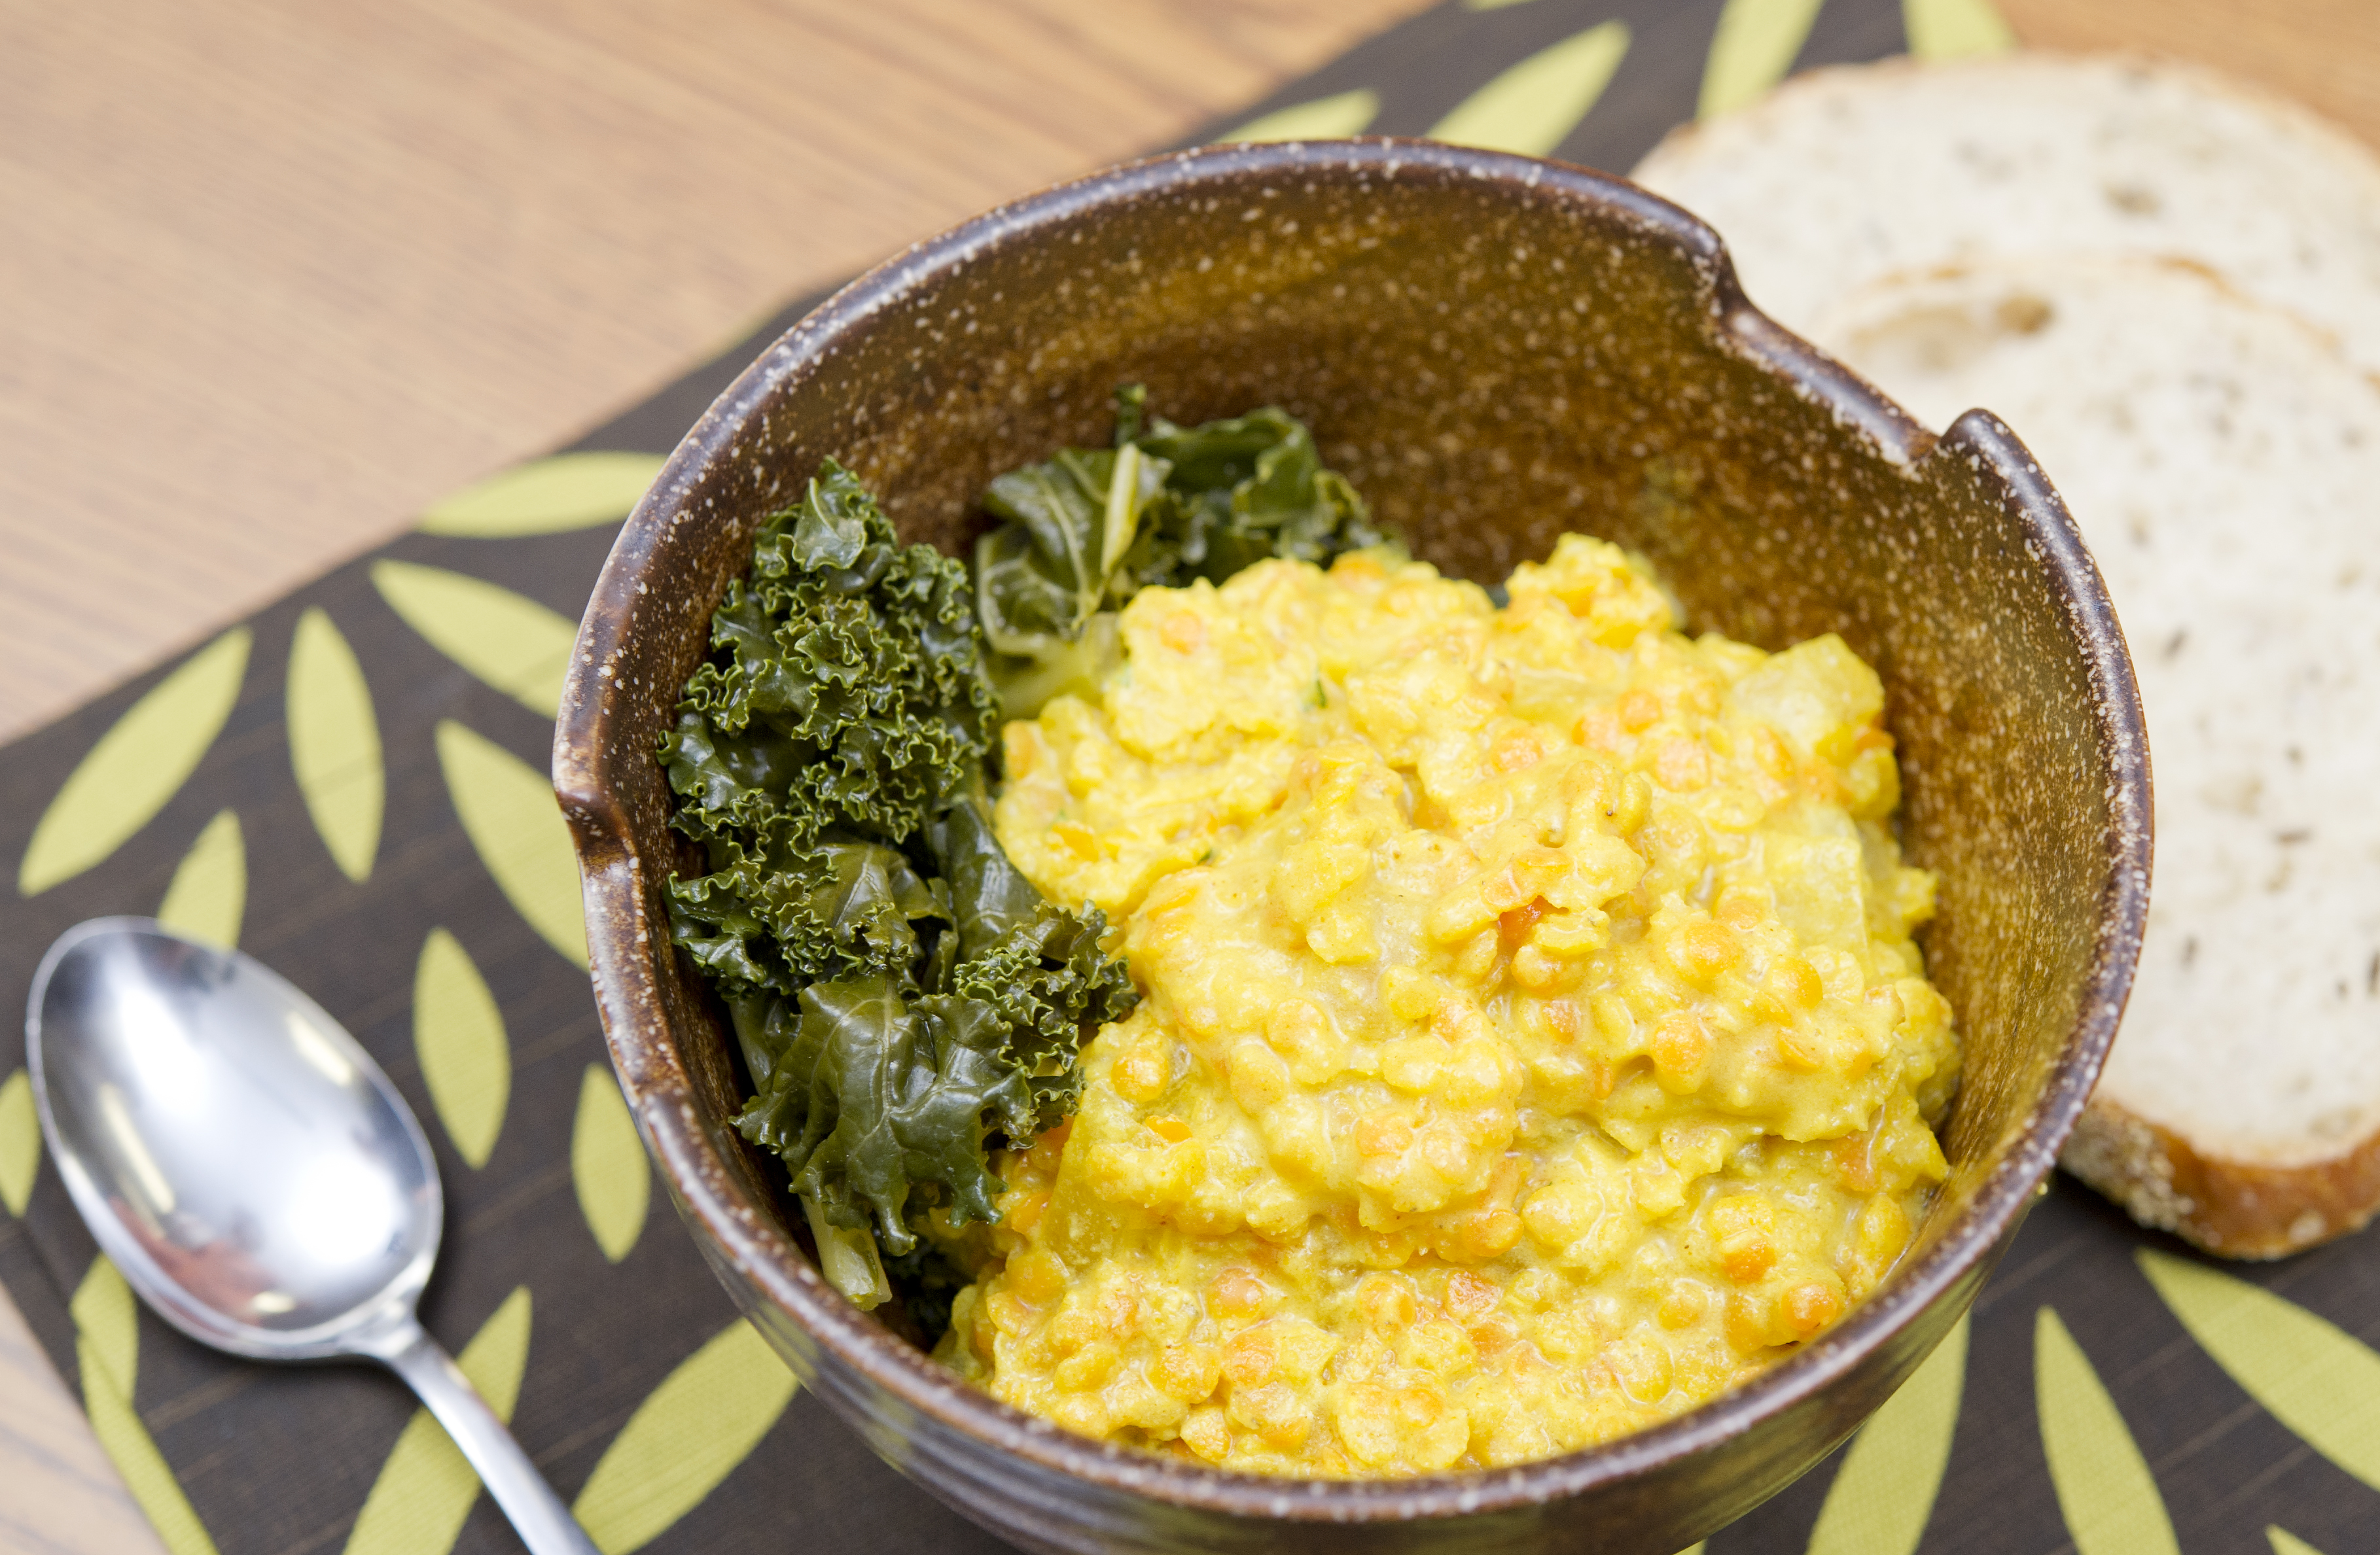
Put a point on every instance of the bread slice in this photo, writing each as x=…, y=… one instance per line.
x=1845, y=177
x=2224, y=464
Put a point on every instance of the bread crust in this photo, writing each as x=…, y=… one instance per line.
x=2233, y=1209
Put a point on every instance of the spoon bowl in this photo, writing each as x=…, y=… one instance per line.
x=236, y=1153
x=253, y=1175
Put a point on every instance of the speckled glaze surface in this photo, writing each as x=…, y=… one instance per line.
x=1496, y=350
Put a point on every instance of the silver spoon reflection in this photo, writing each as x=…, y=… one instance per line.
x=253, y=1175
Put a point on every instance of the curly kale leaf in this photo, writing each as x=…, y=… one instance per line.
x=899, y=990
x=782, y=917
x=1086, y=528
x=1041, y=971
x=1058, y=556
x=1239, y=490
x=845, y=689
x=871, y=1086
x=870, y=1094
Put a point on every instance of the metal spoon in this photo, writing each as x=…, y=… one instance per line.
x=254, y=1174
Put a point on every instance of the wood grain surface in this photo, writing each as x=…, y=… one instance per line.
x=279, y=274
x=276, y=276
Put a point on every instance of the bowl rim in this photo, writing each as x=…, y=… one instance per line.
x=659, y=1091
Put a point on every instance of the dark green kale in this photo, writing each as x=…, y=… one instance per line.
x=1086, y=528
x=931, y=1282
x=899, y=990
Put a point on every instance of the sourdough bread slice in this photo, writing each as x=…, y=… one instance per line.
x=1845, y=177
x=2224, y=464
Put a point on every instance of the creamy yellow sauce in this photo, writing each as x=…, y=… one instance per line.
x=1533, y=1045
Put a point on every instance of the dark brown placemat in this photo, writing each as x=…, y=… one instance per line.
x=2085, y=1413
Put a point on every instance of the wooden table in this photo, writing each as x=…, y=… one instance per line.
x=277, y=275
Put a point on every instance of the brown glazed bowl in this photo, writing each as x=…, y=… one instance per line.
x=1496, y=350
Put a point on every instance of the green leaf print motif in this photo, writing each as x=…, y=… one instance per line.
x=1884, y=1493
x=137, y=766
x=509, y=812
x=608, y=1166
x=514, y=643
x=20, y=1142
x=459, y=1035
x=1953, y=28
x=107, y=1325
x=424, y=1493
x=690, y=1434
x=2318, y=1381
x=108, y=1353
x=207, y=896
x=334, y=743
x=1755, y=44
x=567, y=491
x=1325, y=119
x=1533, y=107
x=2287, y=1543
x=2104, y=1490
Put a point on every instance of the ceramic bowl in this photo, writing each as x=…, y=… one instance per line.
x=1496, y=350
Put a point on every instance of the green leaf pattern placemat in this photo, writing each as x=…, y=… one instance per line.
x=352, y=784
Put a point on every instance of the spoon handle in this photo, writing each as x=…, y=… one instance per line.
x=544, y=1525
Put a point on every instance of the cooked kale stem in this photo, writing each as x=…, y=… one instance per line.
x=848, y=1259
x=1123, y=518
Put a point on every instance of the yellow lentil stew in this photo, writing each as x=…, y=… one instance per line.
x=1531, y=1045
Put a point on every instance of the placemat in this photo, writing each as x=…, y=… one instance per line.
x=351, y=785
